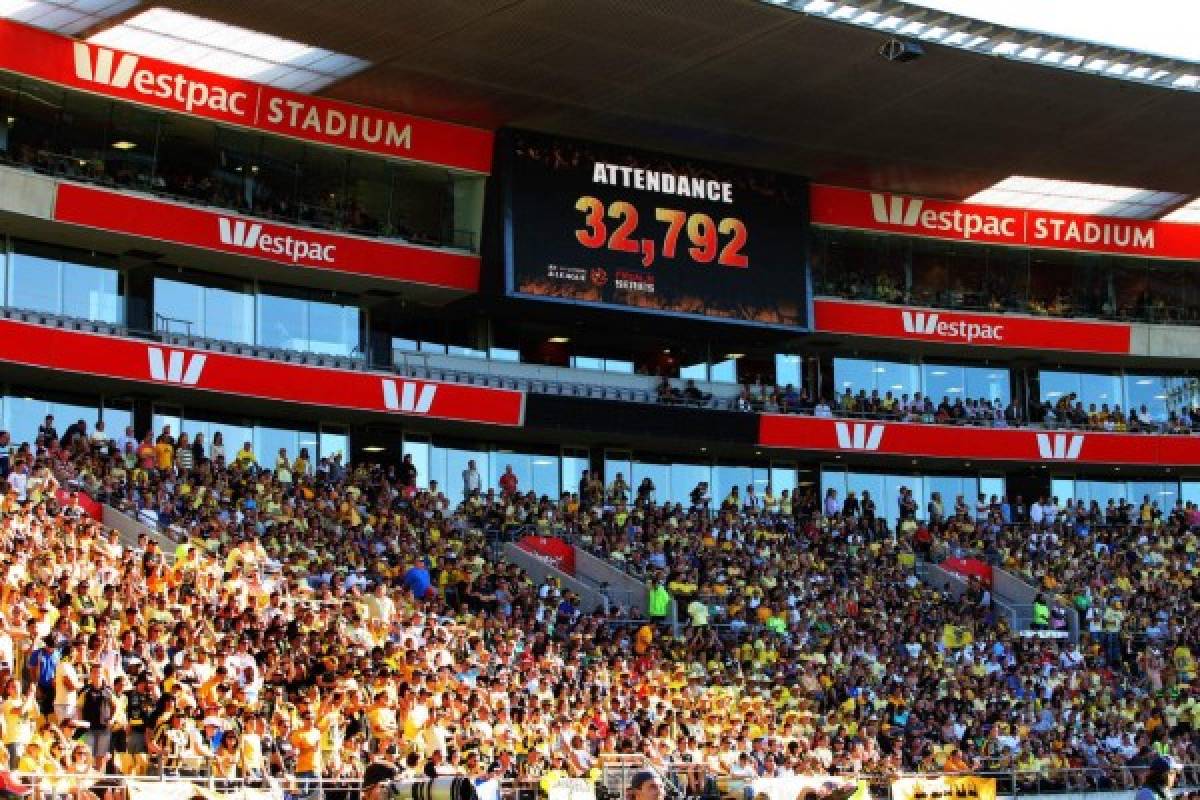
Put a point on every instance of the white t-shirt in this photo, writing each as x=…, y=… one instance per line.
x=64, y=678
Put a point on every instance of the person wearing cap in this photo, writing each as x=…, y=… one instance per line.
x=1160, y=778
x=646, y=785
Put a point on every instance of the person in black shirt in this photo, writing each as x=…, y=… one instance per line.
x=97, y=708
x=139, y=711
x=47, y=431
x=408, y=473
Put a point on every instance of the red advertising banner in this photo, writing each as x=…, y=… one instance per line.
x=1053, y=448
x=556, y=551
x=185, y=90
x=223, y=373
x=256, y=238
x=969, y=222
x=954, y=327
x=86, y=504
x=970, y=568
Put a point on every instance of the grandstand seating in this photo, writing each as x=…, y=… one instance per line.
x=808, y=642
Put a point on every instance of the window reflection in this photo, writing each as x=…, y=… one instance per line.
x=936, y=381
x=60, y=281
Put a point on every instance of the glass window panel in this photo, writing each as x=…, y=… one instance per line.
x=1064, y=489
x=859, y=482
x=725, y=478
x=1190, y=492
x=833, y=478
x=694, y=372
x=685, y=478
x=895, y=377
x=943, y=381
x=853, y=374
x=419, y=449
x=890, y=501
x=228, y=315
x=574, y=462
x=1100, y=389
x=948, y=488
x=1151, y=393
x=35, y=283
x=587, y=362
x=282, y=322
x=1056, y=385
x=724, y=371
x=504, y=354
x=522, y=466
x=544, y=472
x=789, y=370
x=91, y=293
x=167, y=416
x=782, y=478
x=457, y=462
x=178, y=307
x=618, y=365
x=269, y=441
x=659, y=475
x=405, y=345
x=466, y=352
x=233, y=436
x=616, y=461
x=988, y=383
x=438, y=470
x=992, y=486
x=330, y=443
x=432, y=347
x=23, y=415
x=333, y=329
x=116, y=420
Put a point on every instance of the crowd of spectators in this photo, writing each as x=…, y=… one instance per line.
x=313, y=616
x=1066, y=412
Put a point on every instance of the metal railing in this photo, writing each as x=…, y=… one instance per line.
x=686, y=778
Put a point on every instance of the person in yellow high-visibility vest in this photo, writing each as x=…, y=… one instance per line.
x=658, y=602
x=1041, y=614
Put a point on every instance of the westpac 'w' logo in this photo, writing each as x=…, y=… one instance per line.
x=410, y=397
x=175, y=366
x=919, y=322
x=102, y=69
x=239, y=232
x=1060, y=446
x=896, y=210
x=859, y=435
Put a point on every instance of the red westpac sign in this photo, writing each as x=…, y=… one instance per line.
x=171, y=87
x=969, y=222
x=284, y=244
x=223, y=373
x=956, y=327
x=960, y=442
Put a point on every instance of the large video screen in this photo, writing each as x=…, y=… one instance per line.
x=610, y=226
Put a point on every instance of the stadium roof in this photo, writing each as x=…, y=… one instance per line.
x=741, y=80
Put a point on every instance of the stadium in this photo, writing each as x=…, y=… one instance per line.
x=528, y=400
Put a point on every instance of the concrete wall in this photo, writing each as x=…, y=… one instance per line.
x=539, y=569
x=623, y=590
x=27, y=193
x=128, y=529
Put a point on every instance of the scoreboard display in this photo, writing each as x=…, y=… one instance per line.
x=610, y=226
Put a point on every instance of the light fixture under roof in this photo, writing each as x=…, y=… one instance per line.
x=1019, y=191
x=373, y=448
x=64, y=16
x=1105, y=38
x=124, y=144
x=559, y=339
x=229, y=50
